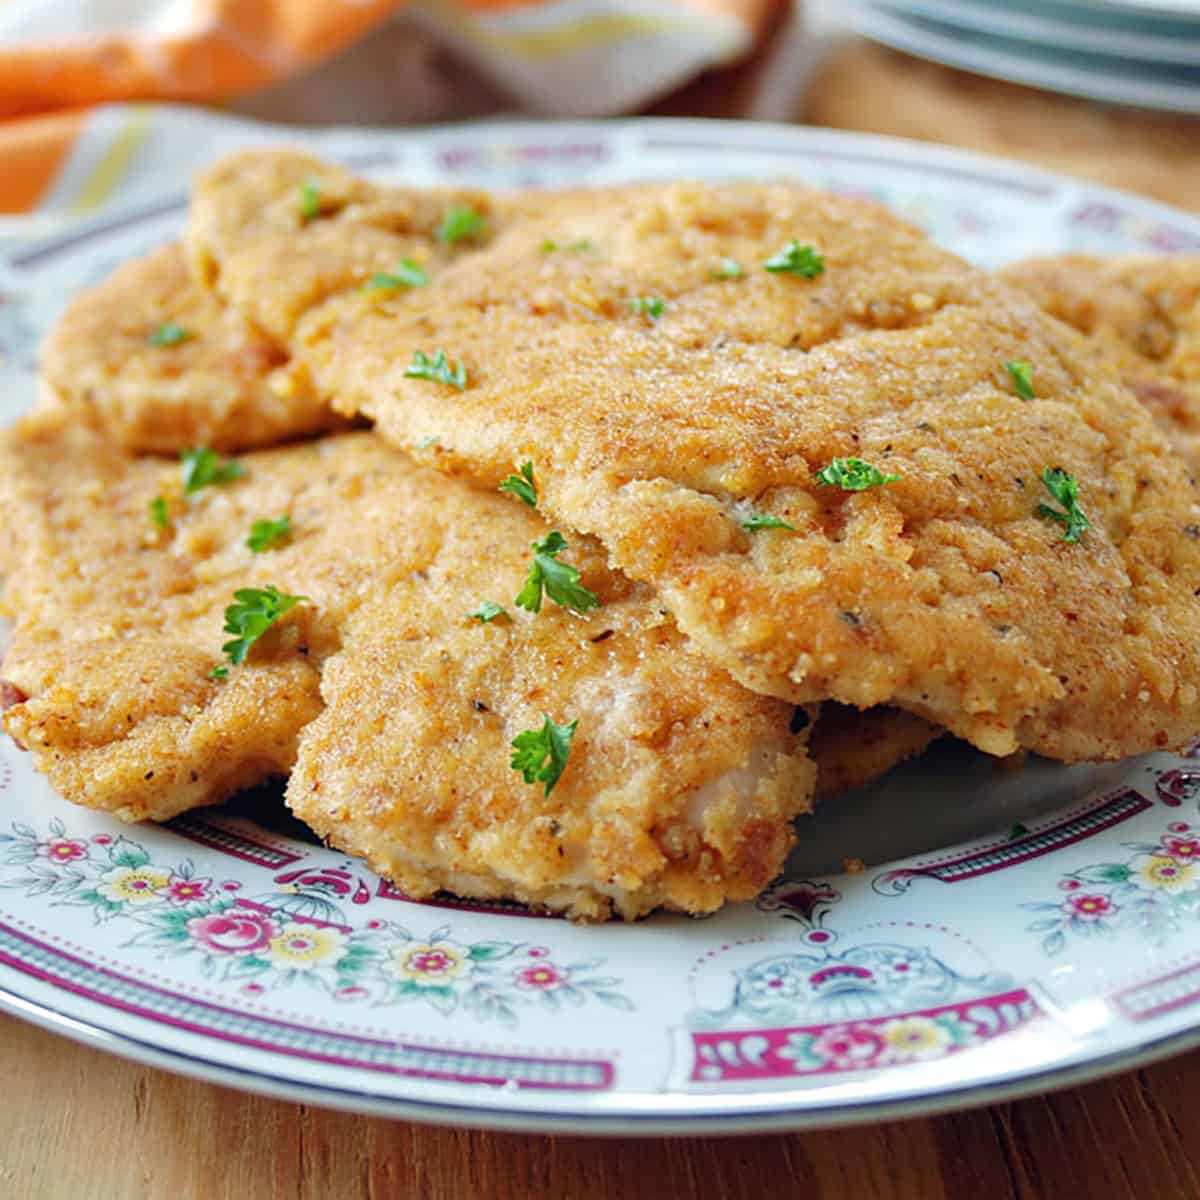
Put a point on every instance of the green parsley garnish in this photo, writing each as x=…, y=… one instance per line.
x=522, y=485
x=853, y=475
x=541, y=754
x=559, y=580
x=796, y=259
x=168, y=334
x=254, y=612
x=310, y=199
x=438, y=369
x=158, y=512
x=407, y=274
x=265, y=534
x=458, y=223
x=549, y=246
x=489, y=610
x=203, y=467
x=1021, y=374
x=727, y=268
x=1064, y=488
x=219, y=672
x=649, y=306
x=757, y=521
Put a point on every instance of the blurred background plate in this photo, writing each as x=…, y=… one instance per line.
x=1059, y=26
x=1057, y=65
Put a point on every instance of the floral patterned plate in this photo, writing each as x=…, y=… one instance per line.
x=1012, y=931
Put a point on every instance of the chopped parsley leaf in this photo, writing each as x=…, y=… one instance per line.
x=168, y=334
x=489, y=610
x=727, y=268
x=437, y=368
x=522, y=485
x=158, y=512
x=1021, y=374
x=853, y=475
x=756, y=521
x=649, y=306
x=253, y=612
x=796, y=259
x=219, y=672
x=406, y=274
x=203, y=467
x=541, y=754
x=1064, y=487
x=460, y=222
x=549, y=246
x=1016, y=830
x=266, y=533
x=310, y=200
x=560, y=581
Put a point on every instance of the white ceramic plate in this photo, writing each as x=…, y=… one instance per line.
x=1057, y=66
x=1012, y=931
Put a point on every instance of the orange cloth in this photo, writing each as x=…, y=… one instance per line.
x=568, y=56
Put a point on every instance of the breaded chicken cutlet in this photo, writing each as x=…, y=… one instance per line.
x=158, y=364
x=679, y=786
x=852, y=748
x=688, y=365
x=1142, y=312
x=168, y=398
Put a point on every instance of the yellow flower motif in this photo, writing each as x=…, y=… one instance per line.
x=430, y=965
x=299, y=947
x=915, y=1037
x=1160, y=872
x=134, y=885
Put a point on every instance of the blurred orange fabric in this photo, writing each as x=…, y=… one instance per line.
x=221, y=49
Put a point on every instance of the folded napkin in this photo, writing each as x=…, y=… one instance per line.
x=341, y=60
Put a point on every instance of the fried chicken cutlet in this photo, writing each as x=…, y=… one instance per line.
x=685, y=364
x=852, y=748
x=159, y=364
x=110, y=378
x=1144, y=313
x=680, y=786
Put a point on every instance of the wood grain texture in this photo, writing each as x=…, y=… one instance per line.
x=79, y=1123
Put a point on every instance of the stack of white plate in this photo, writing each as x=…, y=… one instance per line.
x=1141, y=52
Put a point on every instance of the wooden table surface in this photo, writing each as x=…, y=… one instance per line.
x=78, y=1124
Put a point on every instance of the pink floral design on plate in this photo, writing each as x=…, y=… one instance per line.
x=236, y=932
x=297, y=936
x=1155, y=890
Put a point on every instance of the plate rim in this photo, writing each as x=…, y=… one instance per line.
x=619, y=1123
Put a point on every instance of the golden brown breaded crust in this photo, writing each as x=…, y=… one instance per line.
x=946, y=593
x=1144, y=313
x=680, y=787
x=225, y=385
x=851, y=748
x=118, y=625
x=876, y=90
x=249, y=236
x=679, y=791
